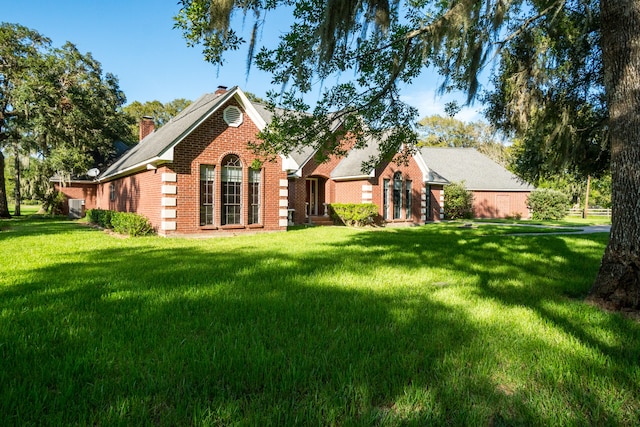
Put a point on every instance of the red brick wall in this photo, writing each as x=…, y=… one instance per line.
x=142, y=193
x=497, y=204
x=75, y=190
x=208, y=145
x=326, y=187
x=350, y=191
x=139, y=193
x=410, y=171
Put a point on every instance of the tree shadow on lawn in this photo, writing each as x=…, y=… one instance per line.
x=147, y=334
x=36, y=226
x=546, y=275
x=153, y=334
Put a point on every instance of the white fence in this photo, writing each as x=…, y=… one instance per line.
x=590, y=212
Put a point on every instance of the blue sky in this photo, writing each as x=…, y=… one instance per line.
x=135, y=40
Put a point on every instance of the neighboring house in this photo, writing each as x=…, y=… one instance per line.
x=195, y=175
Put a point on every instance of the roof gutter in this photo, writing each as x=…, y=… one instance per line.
x=146, y=165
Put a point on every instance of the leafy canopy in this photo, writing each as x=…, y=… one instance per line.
x=550, y=67
x=56, y=103
x=161, y=114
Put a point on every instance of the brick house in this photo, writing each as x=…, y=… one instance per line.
x=196, y=175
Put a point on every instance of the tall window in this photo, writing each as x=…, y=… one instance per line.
x=231, y=190
x=254, y=196
x=407, y=199
x=207, y=176
x=385, y=199
x=112, y=192
x=428, y=209
x=397, y=195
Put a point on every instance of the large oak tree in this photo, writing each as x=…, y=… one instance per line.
x=575, y=76
x=20, y=49
x=56, y=103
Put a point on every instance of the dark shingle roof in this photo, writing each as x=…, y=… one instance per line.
x=474, y=168
x=300, y=155
x=351, y=165
x=159, y=142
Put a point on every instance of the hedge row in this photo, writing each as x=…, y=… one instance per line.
x=121, y=222
x=359, y=214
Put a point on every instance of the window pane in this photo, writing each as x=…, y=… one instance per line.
x=254, y=196
x=385, y=199
x=231, y=190
x=232, y=174
x=397, y=195
x=232, y=201
x=207, y=175
x=407, y=199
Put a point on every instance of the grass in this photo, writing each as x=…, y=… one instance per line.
x=25, y=210
x=320, y=326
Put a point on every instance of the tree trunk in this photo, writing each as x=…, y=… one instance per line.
x=16, y=190
x=617, y=285
x=4, y=206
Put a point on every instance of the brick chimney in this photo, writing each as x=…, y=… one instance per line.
x=147, y=126
x=221, y=90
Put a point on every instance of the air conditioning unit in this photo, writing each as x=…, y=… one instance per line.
x=76, y=208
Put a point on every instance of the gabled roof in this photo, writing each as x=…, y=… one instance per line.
x=477, y=171
x=350, y=167
x=157, y=147
x=440, y=165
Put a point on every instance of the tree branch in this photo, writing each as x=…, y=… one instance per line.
x=525, y=25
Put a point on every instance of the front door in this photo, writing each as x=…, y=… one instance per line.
x=312, y=196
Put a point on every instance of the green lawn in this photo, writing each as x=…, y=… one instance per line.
x=25, y=210
x=320, y=326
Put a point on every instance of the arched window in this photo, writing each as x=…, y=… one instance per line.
x=231, y=190
x=397, y=195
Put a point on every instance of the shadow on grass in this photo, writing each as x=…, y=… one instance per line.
x=182, y=334
x=543, y=274
x=36, y=225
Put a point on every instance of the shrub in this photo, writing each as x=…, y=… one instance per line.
x=548, y=204
x=53, y=202
x=121, y=222
x=131, y=224
x=458, y=201
x=100, y=217
x=359, y=214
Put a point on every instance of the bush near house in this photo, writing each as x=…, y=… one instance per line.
x=458, y=202
x=121, y=222
x=546, y=204
x=354, y=214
